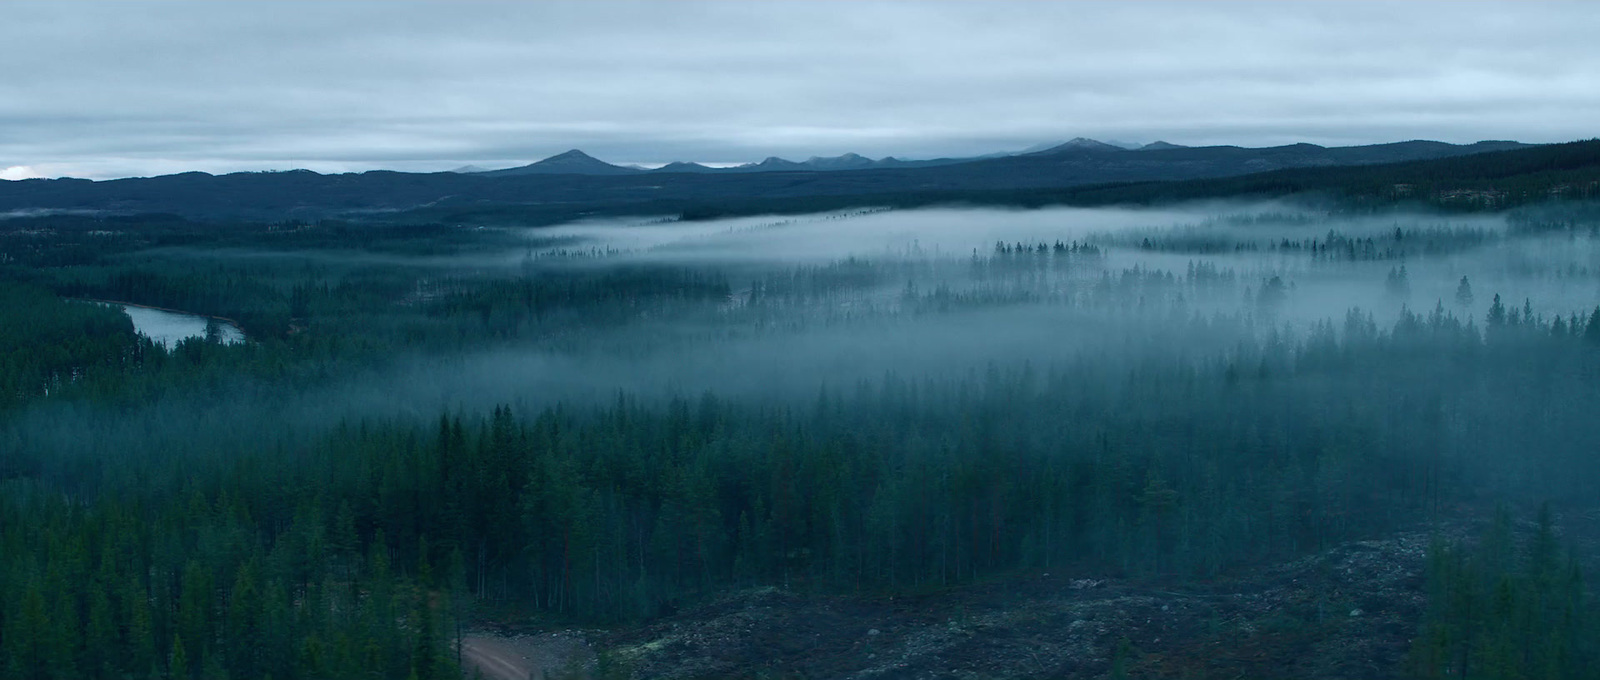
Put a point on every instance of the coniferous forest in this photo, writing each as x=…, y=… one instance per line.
x=430, y=426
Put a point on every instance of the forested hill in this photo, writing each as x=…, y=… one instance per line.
x=1488, y=180
x=1485, y=181
x=301, y=193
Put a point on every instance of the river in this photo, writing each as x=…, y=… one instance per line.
x=168, y=327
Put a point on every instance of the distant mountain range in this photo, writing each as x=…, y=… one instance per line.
x=574, y=182
x=576, y=162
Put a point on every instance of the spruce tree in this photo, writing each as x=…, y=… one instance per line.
x=1464, y=293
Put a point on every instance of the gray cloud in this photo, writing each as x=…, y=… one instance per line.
x=142, y=88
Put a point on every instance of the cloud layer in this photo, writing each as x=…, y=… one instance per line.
x=103, y=90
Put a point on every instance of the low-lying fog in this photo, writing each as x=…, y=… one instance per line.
x=836, y=298
x=1327, y=263
x=843, y=299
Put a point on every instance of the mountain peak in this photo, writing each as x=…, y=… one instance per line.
x=569, y=162
x=776, y=162
x=684, y=166
x=1074, y=144
x=571, y=155
x=847, y=155
x=1159, y=145
x=1086, y=143
x=847, y=161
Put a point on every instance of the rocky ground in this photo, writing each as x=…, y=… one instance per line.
x=1348, y=612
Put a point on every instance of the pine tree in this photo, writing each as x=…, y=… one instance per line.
x=1464, y=293
x=101, y=644
x=243, y=620
x=1497, y=313
x=1398, y=283
x=424, y=658
x=194, y=610
x=141, y=629
x=178, y=663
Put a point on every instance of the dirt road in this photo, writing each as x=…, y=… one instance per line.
x=525, y=657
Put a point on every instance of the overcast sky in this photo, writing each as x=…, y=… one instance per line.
x=138, y=88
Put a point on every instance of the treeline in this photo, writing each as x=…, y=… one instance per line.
x=49, y=344
x=98, y=238
x=1508, y=609
x=360, y=550
x=1334, y=247
x=548, y=299
x=127, y=585
x=1473, y=183
x=398, y=303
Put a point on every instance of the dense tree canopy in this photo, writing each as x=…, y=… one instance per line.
x=211, y=510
